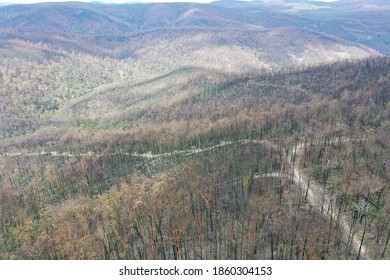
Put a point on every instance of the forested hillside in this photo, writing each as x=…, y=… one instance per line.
x=178, y=138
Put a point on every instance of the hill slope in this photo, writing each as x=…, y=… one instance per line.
x=216, y=158
x=185, y=131
x=108, y=29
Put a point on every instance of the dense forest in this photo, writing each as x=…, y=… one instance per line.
x=107, y=156
x=211, y=175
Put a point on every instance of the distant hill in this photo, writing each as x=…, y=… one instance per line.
x=185, y=131
x=121, y=31
x=91, y=45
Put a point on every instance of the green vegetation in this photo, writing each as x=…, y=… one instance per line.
x=189, y=142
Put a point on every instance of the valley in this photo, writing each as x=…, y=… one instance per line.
x=227, y=130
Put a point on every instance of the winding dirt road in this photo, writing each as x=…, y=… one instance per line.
x=315, y=194
x=318, y=198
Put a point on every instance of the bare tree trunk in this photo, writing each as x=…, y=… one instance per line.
x=361, y=242
x=387, y=243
